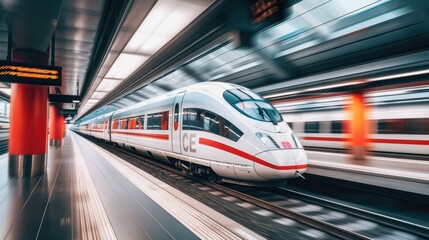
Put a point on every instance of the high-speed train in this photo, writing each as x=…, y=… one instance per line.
x=220, y=130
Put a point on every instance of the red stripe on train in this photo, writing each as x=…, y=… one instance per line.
x=376, y=140
x=226, y=148
x=148, y=135
x=332, y=139
x=400, y=141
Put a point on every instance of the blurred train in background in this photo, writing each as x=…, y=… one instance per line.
x=398, y=122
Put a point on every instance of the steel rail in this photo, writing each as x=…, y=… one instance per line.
x=415, y=229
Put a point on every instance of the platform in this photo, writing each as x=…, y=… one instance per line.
x=87, y=193
x=395, y=173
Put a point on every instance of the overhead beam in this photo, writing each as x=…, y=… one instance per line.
x=56, y=98
x=68, y=111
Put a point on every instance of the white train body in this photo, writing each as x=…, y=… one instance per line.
x=216, y=127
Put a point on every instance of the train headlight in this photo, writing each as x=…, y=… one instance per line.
x=267, y=140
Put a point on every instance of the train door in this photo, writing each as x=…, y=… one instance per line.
x=176, y=129
x=109, y=127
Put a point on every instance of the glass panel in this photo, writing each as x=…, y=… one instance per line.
x=115, y=124
x=336, y=127
x=154, y=121
x=203, y=120
x=403, y=126
x=252, y=105
x=124, y=124
x=132, y=123
x=232, y=132
x=176, y=116
x=211, y=123
x=311, y=127
x=164, y=120
x=193, y=119
x=417, y=126
x=176, y=113
x=139, y=122
x=390, y=126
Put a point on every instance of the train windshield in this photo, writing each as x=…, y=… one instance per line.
x=252, y=105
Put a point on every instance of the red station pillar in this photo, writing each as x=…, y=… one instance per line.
x=28, y=122
x=359, y=125
x=56, y=126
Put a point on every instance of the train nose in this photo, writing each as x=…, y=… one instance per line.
x=280, y=164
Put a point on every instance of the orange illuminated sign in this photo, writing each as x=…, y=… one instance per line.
x=269, y=11
x=30, y=74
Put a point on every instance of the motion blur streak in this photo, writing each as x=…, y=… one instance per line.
x=94, y=223
x=387, y=121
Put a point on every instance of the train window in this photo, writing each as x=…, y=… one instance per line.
x=290, y=125
x=403, y=126
x=231, y=131
x=164, y=120
x=311, y=127
x=139, y=122
x=390, y=126
x=132, y=123
x=176, y=116
x=336, y=127
x=124, y=123
x=203, y=120
x=115, y=124
x=252, y=105
x=154, y=121
x=211, y=123
x=417, y=126
x=192, y=119
x=157, y=121
x=234, y=95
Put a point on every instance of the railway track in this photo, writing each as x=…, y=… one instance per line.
x=391, y=222
x=360, y=221
x=296, y=206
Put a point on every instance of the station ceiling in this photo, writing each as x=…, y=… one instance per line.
x=117, y=53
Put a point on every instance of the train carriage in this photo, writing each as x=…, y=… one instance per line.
x=221, y=130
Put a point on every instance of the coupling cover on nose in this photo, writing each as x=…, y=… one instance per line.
x=279, y=164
